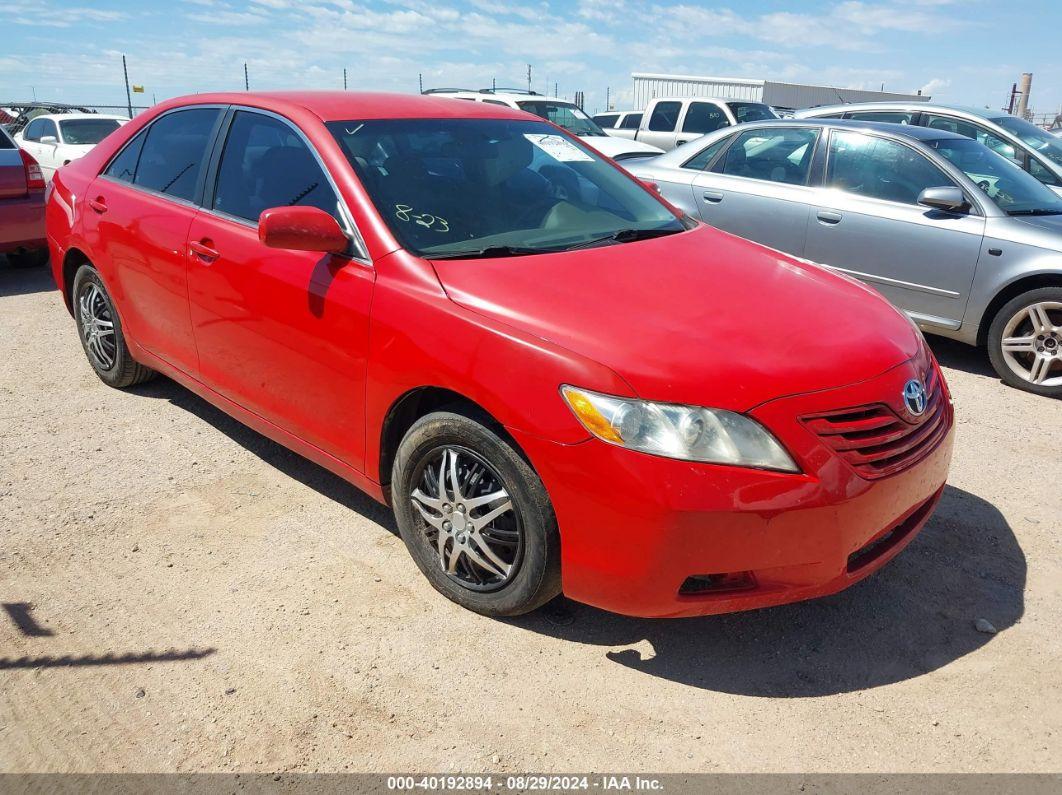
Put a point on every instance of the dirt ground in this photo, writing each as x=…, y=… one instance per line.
x=181, y=594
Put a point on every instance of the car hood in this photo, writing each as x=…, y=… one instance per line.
x=613, y=147
x=700, y=317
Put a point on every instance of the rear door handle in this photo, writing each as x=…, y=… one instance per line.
x=829, y=217
x=98, y=204
x=713, y=196
x=204, y=250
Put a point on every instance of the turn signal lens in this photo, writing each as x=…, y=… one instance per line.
x=690, y=433
x=34, y=176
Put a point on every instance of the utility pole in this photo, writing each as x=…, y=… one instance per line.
x=344, y=78
x=494, y=84
x=608, y=93
x=246, y=80
x=128, y=96
x=556, y=91
x=529, y=78
x=420, y=81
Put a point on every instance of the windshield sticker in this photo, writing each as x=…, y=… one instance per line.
x=404, y=212
x=558, y=147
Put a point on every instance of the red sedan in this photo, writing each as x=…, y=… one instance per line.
x=21, y=206
x=557, y=380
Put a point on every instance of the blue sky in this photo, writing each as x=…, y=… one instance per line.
x=967, y=51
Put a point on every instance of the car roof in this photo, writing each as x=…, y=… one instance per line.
x=348, y=105
x=906, y=130
x=984, y=113
x=69, y=116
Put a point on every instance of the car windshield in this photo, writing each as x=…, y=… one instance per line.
x=563, y=114
x=492, y=187
x=87, y=131
x=1042, y=141
x=1013, y=190
x=751, y=111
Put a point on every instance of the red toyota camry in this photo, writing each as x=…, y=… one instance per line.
x=557, y=381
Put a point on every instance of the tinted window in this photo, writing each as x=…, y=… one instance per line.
x=87, y=131
x=704, y=117
x=606, y=119
x=175, y=150
x=632, y=121
x=33, y=130
x=880, y=169
x=751, y=111
x=975, y=131
x=452, y=187
x=1038, y=170
x=48, y=128
x=885, y=116
x=701, y=161
x=777, y=154
x=665, y=116
x=5, y=140
x=563, y=114
x=1042, y=141
x=123, y=167
x=1002, y=180
x=266, y=164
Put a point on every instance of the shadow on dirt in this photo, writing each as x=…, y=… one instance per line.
x=24, y=281
x=959, y=356
x=914, y=616
x=125, y=658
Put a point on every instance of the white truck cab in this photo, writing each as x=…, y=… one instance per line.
x=559, y=111
x=668, y=122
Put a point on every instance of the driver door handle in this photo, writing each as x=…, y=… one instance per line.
x=829, y=217
x=98, y=204
x=204, y=250
x=713, y=196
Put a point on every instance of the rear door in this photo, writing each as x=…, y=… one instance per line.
x=660, y=129
x=759, y=188
x=700, y=119
x=282, y=333
x=869, y=224
x=138, y=215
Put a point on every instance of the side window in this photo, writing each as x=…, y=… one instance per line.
x=1042, y=173
x=48, y=128
x=665, y=116
x=33, y=130
x=975, y=131
x=704, y=117
x=880, y=169
x=632, y=121
x=606, y=120
x=266, y=164
x=123, y=167
x=174, y=152
x=886, y=116
x=700, y=161
x=777, y=154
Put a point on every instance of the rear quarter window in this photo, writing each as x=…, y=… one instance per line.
x=665, y=117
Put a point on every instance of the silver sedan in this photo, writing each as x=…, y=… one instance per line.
x=962, y=239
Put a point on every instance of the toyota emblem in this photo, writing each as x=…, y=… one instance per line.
x=914, y=397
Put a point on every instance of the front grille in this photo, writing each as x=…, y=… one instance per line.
x=891, y=539
x=876, y=441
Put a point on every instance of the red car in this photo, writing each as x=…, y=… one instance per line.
x=21, y=206
x=557, y=380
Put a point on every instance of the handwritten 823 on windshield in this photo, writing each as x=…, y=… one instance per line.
x=526, y=783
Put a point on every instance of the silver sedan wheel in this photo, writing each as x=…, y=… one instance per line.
x=97, y=326
x=469, y=518
x=1032, y=343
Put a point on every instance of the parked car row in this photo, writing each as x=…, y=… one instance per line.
x=668, y=123
x=56, y=139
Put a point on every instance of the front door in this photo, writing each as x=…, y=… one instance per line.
x=869, y=224
x=282, y=333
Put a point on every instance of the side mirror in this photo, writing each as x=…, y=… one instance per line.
x=949, y=199
x=650, y=184
x=51, y=140
x=301, y=229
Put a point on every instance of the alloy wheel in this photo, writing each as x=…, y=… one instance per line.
x=469, y=518
x=1032, y=343
x=97, y=326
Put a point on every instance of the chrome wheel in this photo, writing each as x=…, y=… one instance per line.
x=468, y=518
x=97, y=326
x=1032, y=343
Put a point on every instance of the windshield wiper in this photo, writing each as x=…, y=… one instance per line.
x=624, y=236
x=1037, y=211
x=489, y=251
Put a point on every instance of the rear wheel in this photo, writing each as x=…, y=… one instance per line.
x=1025, y=341
x=28, y=259
x=475, y=516
x=100, y=330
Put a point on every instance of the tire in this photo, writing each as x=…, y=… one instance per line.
x=524, y=538
x=106, y=351
x=1039, y=369
x=28, y=259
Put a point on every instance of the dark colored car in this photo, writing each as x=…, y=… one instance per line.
x=21, y=206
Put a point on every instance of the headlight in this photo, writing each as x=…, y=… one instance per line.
x=690, y=433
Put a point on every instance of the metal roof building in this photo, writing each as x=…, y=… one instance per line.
x=790, y=96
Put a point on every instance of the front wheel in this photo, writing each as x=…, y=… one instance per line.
x=475, y=516
x=1025, y=342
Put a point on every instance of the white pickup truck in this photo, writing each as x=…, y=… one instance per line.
x=670, y=122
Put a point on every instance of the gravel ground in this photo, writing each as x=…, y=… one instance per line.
x=181, y=594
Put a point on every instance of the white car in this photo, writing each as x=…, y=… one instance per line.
x=562, y=113
x=56, y=139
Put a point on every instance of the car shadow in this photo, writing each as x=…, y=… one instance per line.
x=275, y=455
x=960, y=356
x=24, y=281
x=914, y=616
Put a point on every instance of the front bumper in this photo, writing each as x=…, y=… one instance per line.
x=634, y=527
